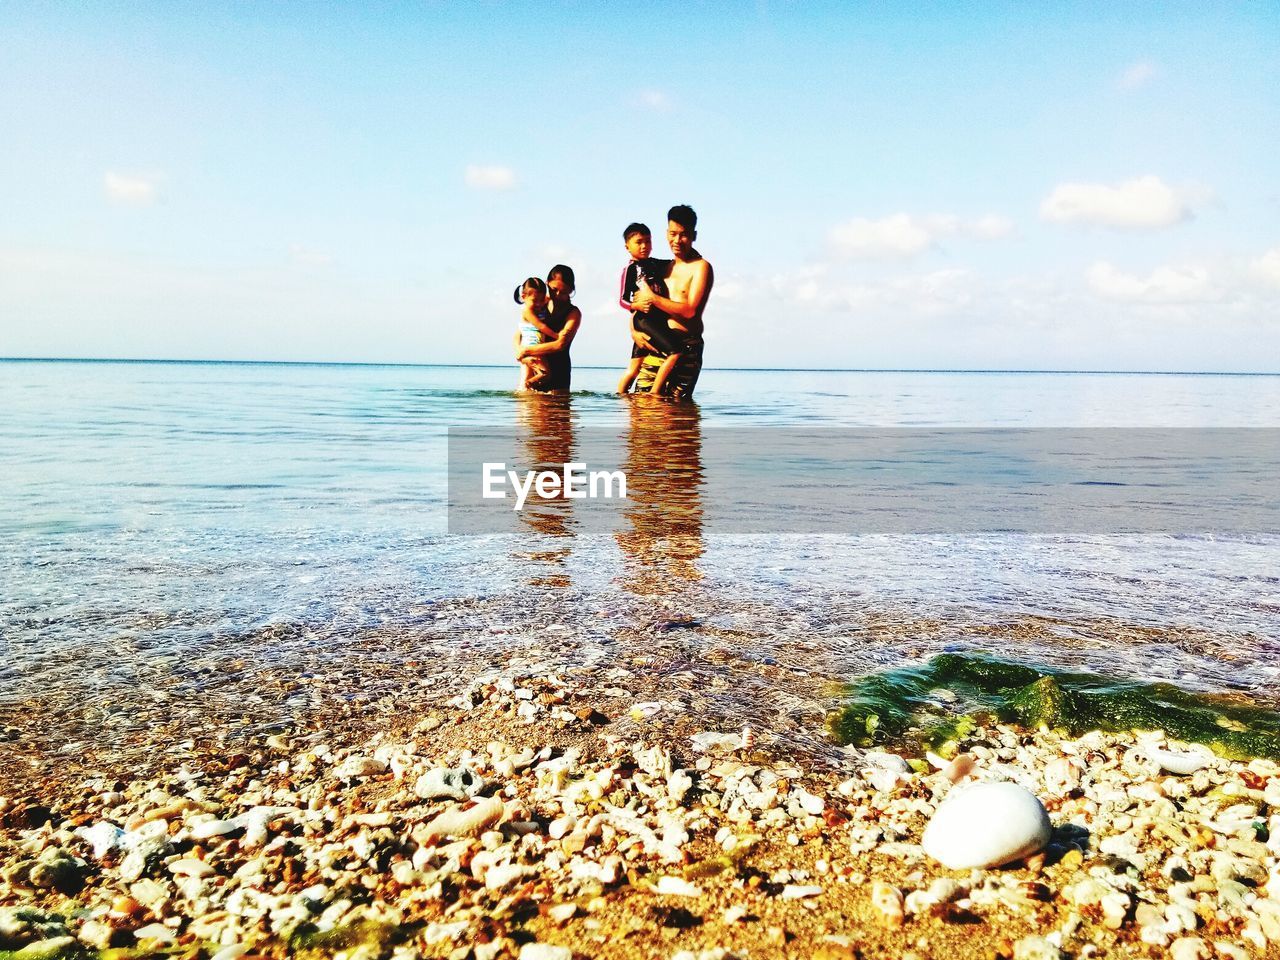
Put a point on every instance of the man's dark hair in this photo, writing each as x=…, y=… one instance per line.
x=634, y=228
x=683, y=214
x=560, y=270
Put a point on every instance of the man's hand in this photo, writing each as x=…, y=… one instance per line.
x=523, y=353
x=641, y=339
x=643, y=299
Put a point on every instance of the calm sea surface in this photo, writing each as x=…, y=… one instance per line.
x=211, y=522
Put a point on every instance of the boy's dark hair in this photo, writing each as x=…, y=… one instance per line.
x=683, y=214
x=560, y=270
x=633, y=229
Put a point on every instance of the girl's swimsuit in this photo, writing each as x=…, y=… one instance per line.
x=529, y=334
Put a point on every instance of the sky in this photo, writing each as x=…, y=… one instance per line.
x=879, y=185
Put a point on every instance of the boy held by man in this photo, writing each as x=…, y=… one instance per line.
x=664, y=334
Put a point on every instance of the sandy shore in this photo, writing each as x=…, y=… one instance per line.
x=546, y=819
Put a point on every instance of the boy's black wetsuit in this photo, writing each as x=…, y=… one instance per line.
x=652, y=323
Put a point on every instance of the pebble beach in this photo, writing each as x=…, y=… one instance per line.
x=522, y=816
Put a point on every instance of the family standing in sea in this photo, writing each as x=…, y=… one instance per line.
x=665, y=300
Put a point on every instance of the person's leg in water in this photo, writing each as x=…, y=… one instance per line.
x=629, y=377
x=537, y=374
x=664, y=371
x=683, y=379
x=664, y=341
x=638, y=353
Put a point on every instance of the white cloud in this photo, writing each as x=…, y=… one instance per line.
x=928, y=294
x=900, y=235
x=131, y=190
x=904, y=235
x=305, y=256
x=1144, y=203
x=1267, y=268
x=991, y=227
x=1138, y=75
x=654, y=100
x=489, y=177
x=1166, y=284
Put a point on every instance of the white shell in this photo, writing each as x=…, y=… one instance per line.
x=675, y=887
x=457, y=822
x=1179, y=763
x=987, y=825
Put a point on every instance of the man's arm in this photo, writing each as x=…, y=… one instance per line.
x=561, y=342
x=699, y=290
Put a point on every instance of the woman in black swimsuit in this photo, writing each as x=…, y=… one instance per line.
x=563, y=318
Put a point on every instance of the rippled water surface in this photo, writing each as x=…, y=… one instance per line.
x=172, y=530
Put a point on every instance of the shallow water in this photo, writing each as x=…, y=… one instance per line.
x=184, y=530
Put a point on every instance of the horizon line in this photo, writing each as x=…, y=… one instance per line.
x=497, y=366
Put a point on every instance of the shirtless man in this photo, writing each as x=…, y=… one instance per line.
x=689, y=288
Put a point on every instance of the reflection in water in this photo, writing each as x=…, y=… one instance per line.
x=545, y=441
x=663, y=536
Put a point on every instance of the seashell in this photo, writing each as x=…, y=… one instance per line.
x=1062, y=775
x=1189, y=948
x=157, y=932
x=887, y=899
x=655, y=761
x=358, y=766
x=711, y=742
x=255, y=823
x=562, y=913
x=166, y=812
x=459, y=822
x=502, y=875
x=190, y=867
x=647, y=709
x=207, y=829
x=880, y=760
x=456, y=783
x=1180, y=764
x=679, y=783
x=795, y=892
x=676, y=887
x=103, y=837
x=884, y=771
x=545, y=951
x=884, y=780
x=959, y=768
x=986, y=825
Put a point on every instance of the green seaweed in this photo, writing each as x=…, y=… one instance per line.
x=934, y=705
x=77, y=951
x=378, y=937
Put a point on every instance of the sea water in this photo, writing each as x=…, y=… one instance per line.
x=177, y=529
